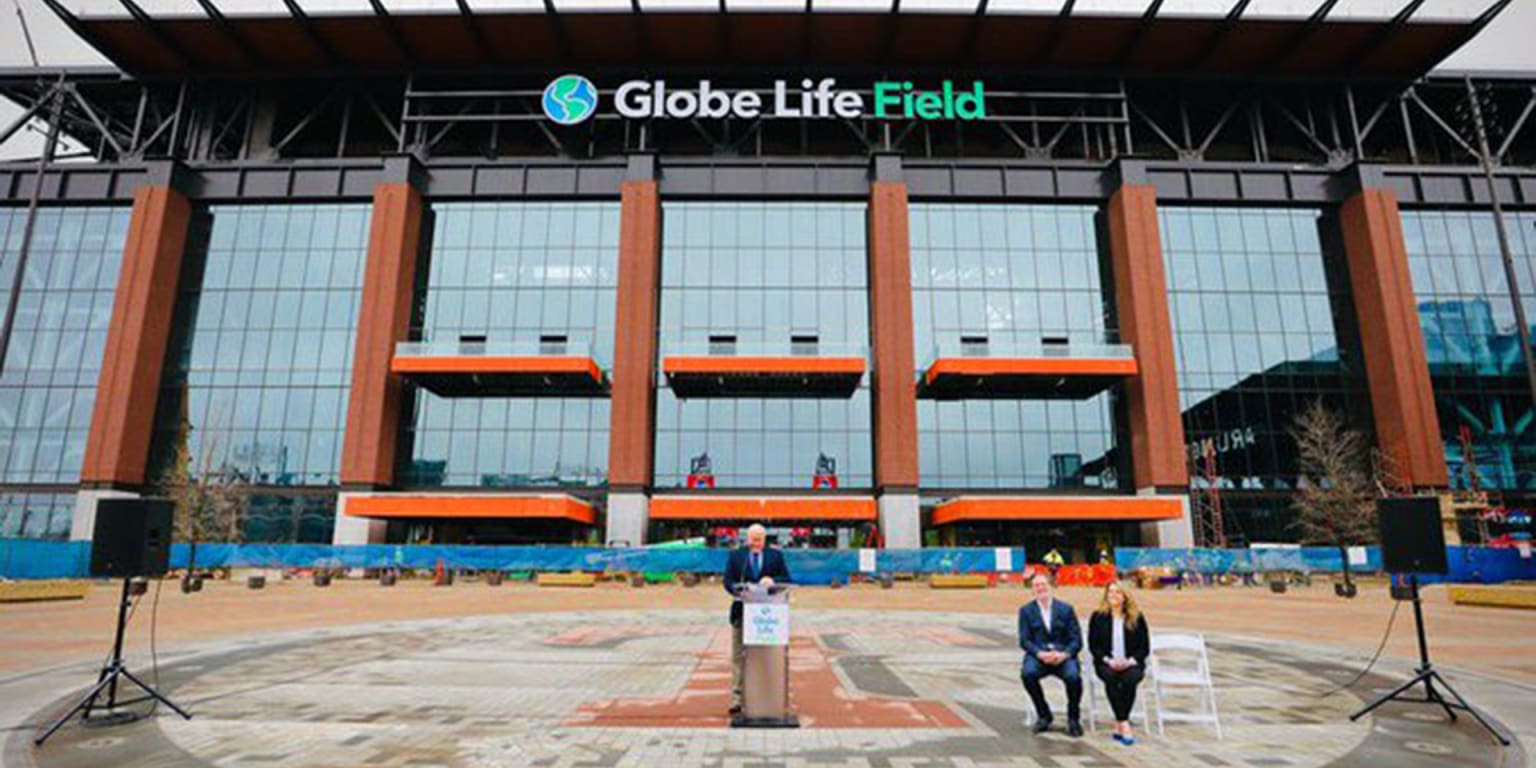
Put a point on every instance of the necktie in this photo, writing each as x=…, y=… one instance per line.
x=757, y=564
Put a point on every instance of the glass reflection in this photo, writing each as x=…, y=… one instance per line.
x=261, y=356
x=1014, y=275
x=764, y=273
x=48, y=384
x=1256, y=338
x=1472, y=342
x=514, y=272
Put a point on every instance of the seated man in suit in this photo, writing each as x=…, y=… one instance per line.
x=753, y=564
x=1051, y=638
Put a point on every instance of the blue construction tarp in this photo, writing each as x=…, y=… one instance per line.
x=1480, y=565
x=808, y=566
x=1243, y=560
x=53, y=559
x=38, y=559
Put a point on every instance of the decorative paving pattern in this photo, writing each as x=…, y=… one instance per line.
x=897, y=690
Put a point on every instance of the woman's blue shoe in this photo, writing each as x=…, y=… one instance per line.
x=1117, y=737
x=1126, y=740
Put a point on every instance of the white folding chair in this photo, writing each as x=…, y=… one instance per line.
x=1180, y=661
x=1091, y=692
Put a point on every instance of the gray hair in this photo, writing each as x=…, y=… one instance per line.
x=757, y=528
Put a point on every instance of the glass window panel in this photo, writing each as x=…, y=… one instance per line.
x=1467, y=320
x=1255, y=335
x=771, y=270
x=50, y=373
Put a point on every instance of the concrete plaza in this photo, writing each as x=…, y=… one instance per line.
x=472, y=675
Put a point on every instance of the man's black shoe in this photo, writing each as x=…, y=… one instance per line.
x=1041, y=726
x=735, y=709
x=1074, y=729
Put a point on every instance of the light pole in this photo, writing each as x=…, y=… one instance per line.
x=1510, y=275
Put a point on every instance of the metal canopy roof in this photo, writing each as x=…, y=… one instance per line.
x=1368, y=39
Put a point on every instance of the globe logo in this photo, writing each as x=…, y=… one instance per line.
x=570, y=99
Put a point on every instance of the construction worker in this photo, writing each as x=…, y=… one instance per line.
x=1054, y=561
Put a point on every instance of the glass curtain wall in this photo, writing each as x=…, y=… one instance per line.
x=1017, y=276
x=261, y=359
x=1262, y=328
x=48, y=382
x=511, y=273
x=761, y=274
x=1473, y=346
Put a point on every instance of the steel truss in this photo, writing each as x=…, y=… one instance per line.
x=1200, y=140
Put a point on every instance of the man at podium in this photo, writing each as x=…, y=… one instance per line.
x=753, y=564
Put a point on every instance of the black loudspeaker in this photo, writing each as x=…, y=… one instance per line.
x=1412, y=539
x=132, y=538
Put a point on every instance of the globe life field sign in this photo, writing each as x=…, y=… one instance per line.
x=571, y=99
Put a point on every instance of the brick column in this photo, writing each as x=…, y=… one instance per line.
x=1141, y=306
x=893, y=373
x=1402, y=400
x=384, y=317
x=122, y=420
x=371, y=442
x=631, y=438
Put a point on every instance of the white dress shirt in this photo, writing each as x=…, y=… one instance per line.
x=1045, y=615
x=1117, y=638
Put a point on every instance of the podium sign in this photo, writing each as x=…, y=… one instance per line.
x=765, y=624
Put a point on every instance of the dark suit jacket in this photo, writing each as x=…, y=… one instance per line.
x=738, y=570
x=1138, y=641
x=1065, y=634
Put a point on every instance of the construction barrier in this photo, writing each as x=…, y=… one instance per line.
x=1468, y=565
x=36, y=559
x=1239, y=561
x=51, y=559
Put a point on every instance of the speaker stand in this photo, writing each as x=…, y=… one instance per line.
x=1428, y=676
x=107, y=683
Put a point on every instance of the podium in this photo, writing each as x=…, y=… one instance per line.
x=765, y=679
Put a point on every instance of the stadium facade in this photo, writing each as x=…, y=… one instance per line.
x=960, y=271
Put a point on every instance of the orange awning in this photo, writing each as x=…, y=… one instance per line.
x=406, y=505
x=504, y=375
x=1025, y=508
x=1012, y=378
x=763, y=376
x=788, y=364
x=1030, y=366
x=529, y=364
x=755, y=508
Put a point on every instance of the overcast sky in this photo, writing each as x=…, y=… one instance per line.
x=1504, y=45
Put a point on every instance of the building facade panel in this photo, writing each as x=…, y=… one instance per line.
x=758, y=279
x=1012, y=278
x=258, y=376
x=54, y=351
x=513, y=276
x=1466, y=316
x=1262, y=329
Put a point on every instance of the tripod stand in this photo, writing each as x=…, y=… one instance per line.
x=107, y=682
x=1429, y=676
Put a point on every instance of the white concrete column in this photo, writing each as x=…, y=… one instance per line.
x=355, y=530
x=628, y=518
x=901, y=521
x=1169, y=534
x=82, y=525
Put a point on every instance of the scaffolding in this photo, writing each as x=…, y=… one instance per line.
x=1210, y=530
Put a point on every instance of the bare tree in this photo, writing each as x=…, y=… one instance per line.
x=208, y=494
x=1335, y=500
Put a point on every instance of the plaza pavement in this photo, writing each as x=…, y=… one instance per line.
x=615, y=676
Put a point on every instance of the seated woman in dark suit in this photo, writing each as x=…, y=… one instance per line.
x=1119, y=643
